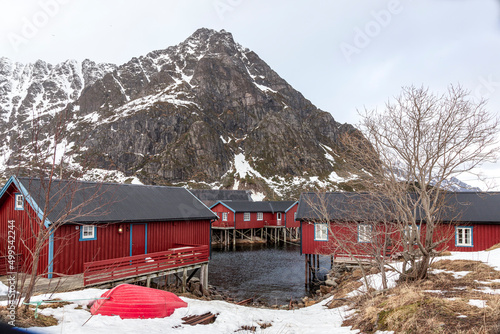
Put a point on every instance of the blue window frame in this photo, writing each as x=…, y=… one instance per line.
x=18, y=201
x=464, y=236
x=88, y=232
x=320, y=232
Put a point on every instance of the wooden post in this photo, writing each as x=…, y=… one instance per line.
x=306, y=273
x=184, y=280
x=204, y=277
x=234, y=238
x=148, y=282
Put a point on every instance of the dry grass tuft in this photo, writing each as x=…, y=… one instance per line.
x=25, y=320
x=493, y=247
x=440, y=304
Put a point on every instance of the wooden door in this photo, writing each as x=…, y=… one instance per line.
x=278, y=218
x=138, y=244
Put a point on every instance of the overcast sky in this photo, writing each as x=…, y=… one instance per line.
x=341, y=55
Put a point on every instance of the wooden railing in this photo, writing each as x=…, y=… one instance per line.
x=274, y=222
x=119, y=268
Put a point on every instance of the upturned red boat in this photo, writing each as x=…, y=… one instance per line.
x=136, y=302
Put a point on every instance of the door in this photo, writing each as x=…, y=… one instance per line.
x=278, y=218
x=138, y=242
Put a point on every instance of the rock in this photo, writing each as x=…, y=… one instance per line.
x=309, y=303
x=331, y=283
x=325, y=289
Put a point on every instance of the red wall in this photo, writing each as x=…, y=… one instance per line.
x=70, y=254
x=219, y=209
x=26, y=229
x=483, y=237
x=290, y=214
x=253, y=222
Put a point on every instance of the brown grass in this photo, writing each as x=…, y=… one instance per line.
x=494, y=247
x=28, y=319
x=412, y=308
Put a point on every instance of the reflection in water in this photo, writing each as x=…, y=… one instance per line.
x=270, y=274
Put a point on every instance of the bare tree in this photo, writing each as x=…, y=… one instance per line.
x=359, y=229
x=61, y=202
x=414, y=149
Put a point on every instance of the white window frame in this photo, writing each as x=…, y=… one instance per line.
x=364, y=233
x=320, y=232
x=224, y=216
x=407, y=230
x=462, y=238
x=260, y=215
x=246, y=216
x=18, y=201
x=88, y=232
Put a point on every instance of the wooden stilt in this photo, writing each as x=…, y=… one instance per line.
x=307, y=271
x=184, y=280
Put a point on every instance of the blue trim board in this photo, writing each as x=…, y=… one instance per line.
x=51, y=254
x=219, y=202
x=88, y=239
x=471, y=236
x=30, y=200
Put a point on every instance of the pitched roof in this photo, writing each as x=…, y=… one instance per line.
x=259, y=206
x=474, y=207
x=211, y=196
x=93, y=202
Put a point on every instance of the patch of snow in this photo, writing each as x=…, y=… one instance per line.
x=264, y=88
x=231, y=318
x=477, y=303
x=4, y=289
x=257, y=196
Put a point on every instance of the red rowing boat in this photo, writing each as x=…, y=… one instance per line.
x=135, y=302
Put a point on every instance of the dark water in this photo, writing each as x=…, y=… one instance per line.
x=270, y=274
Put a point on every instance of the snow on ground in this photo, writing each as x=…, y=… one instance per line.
x=4, y=289
x=231, y=318
x=491, y=258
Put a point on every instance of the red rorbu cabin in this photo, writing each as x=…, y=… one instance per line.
x=101, y=225
x=350, y=225
x=471, y=222
x=264, y=218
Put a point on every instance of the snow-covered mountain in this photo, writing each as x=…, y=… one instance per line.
x=206, y=112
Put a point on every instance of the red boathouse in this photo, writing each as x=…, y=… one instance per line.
x=246, y=219
x=101, y=225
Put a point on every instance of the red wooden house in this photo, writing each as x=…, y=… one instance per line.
x=100, y=222
x=247, y=215
x=471, y=222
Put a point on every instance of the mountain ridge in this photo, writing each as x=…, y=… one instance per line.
x=206, y=112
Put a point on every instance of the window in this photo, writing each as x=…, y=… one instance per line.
x=321, y=232
x=19, y=202
x=87, y=232
x=224, y=216
x=408, y=237
x=295, y=215
x=246, y=216
x=260, y=216
x=364, y=233
x=463, y=236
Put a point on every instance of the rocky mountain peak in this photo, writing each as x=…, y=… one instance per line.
x=206, y=112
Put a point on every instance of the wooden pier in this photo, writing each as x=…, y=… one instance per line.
x=227, y=236
x=180, y=259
